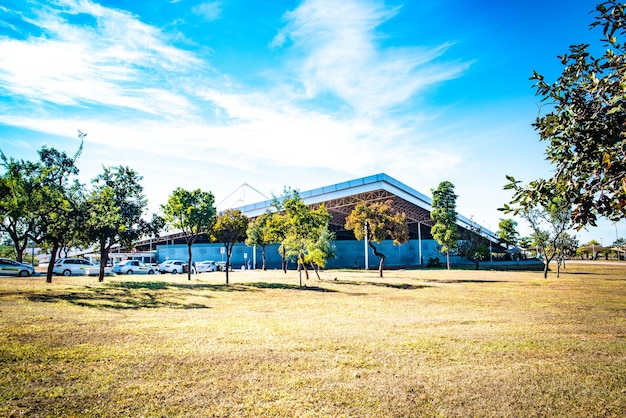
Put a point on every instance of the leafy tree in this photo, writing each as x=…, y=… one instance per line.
x=474, y=247
x=19, y=197
x=60, y=209
x=443, y=212
x=259, y=233
x=230, y=228
x=321, y=250
x=566, y=246
x=115, y=208
x=191, y=212
x=585, y=127
x=303, y=228
x=377, y=222
x=549, y=222
x=507, y=234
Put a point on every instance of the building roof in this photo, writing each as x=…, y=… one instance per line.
x=341, y=198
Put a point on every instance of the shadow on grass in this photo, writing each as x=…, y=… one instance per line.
x=118, y=297
x=186, y=286
x=265, y=285
x=401, y=286
x=465, y=281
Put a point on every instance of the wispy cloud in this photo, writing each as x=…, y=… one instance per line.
x=112, y=60
x=339, y=51
x=129, y=87
x=209, y=11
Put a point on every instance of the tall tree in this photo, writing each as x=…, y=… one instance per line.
x=303, y=227
x=507, y=232
x=115, y=209
x=585, y=126
x=19, y=197
x=258, y=233
x=61, y=209
x=376, y=222
x=229, y=229
x=191, y=212
x=444, y=214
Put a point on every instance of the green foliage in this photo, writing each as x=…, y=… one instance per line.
x=230, y=228
x=303, y=230
x=443, y=212
x=115, y=208
x=191, y=212
x=433, y=262
x=377, y=222
x=507, y=233
x=585, y=127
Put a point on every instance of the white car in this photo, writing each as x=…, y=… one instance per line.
x=207, y=265
x=77, y=266
x=174, y=267
x=14, y=268
x=133, y=267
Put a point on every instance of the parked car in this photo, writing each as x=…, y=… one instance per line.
x=10, y=267
x=77, y=266
x=133, y=267
x=207, y=265
x=221, y=266
x=174, y=267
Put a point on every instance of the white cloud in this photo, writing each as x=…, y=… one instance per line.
x=339, y=52
x=209, y=11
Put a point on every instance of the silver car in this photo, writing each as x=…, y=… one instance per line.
x=133, y=267
x=10, y=267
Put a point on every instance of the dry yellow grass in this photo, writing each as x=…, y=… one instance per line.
x=416, y=343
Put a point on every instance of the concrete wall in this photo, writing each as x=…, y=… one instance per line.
x=350, y=254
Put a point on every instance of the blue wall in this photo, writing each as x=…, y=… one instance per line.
x=348, y=253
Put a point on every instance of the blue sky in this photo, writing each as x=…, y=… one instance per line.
x=303, y=94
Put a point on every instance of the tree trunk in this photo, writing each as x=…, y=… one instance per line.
x=283, y=261
x=104, y=257
x=189, y=244
x=228, y=253
x=381, y=256
x=316, y=269
x=448, y=259
x=264, y=259
x=53, y=258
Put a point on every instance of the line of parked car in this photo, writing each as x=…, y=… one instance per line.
x=83, y=267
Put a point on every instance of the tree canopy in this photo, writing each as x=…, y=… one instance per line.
x=191, y=212
x=444, y=214
x=584, y=127
x=377, y=222
x=230, y=228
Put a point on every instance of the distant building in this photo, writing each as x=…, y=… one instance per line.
x=340, y=199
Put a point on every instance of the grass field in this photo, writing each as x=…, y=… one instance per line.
x=415, y=343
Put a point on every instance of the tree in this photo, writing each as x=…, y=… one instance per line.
x=549, y=222
x=303, y=228
x=193, y=213
x=230, y=228
x=585, y=127
x=474, y=247
x=507, y=234
x=19, y=196
x=321, y=250
x=259, y=233
x=115, y=208
x=60, y=209
x=443, y=212
x=377, y=222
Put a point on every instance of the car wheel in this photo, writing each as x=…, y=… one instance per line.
x=24, y=273
x=150, y=271
x=129, y=272
x=175, y=271
x=67, y=273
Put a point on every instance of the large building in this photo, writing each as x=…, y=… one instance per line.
x=340, y=199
